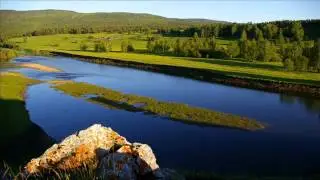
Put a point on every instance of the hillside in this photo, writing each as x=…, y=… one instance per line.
x=18, y=22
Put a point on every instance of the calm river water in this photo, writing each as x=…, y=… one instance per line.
x=289, y=145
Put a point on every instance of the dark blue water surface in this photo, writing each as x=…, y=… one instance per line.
x=289, y=145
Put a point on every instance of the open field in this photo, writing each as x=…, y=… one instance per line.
x=180, y=112
x=73, y=41
x=259, y=70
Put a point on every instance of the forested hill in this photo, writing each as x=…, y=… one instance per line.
x=18, y=22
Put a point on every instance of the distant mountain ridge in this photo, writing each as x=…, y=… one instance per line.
x=18, y=22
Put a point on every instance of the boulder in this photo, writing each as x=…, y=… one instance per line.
x=99, y=148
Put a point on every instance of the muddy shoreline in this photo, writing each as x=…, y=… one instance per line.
x=207, y=76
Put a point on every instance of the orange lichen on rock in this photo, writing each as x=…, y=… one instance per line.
x=81, y=154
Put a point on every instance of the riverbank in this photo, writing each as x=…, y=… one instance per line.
x=284, y=82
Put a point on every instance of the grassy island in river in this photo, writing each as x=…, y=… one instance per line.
x=175, y=111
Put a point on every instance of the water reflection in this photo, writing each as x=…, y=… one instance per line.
x=20, y=139
x=310, y=104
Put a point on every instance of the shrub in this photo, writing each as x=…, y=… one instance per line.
x=83, y=46
x=7, y=54
x=130, y=48
x=288, y=64
x=127, y=46
x=301, y=63
x=232, y=50
x=102, y=46
x=8, y=44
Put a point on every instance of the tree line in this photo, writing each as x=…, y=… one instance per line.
x=296, y=55
x=291, y=30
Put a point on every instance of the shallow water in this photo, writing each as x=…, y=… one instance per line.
x=289, y=145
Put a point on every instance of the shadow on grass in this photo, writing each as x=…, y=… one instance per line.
x=139, y=108
x=236, y=63
x=20, y=139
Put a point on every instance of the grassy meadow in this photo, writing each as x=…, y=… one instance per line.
x=70, y=44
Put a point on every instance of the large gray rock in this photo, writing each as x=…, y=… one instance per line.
x=101, y=149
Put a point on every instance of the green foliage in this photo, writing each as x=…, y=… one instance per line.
x=103, y=46
x=288, y=64
x=83, y=46
x=159, y=46
x=232, y=50
x=259, y=35
x=296, y=53
x=243, y=36
x=130, y=47
x=301, y=63
x=281, y=39
x=268, y=52
x=126, y=46
x=297, y=31
x=8, y=44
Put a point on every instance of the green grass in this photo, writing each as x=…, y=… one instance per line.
x=14, y=116
x=238, y=68
x=180, y=112
x=73, y=41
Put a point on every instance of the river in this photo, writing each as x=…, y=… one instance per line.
x=290, y=144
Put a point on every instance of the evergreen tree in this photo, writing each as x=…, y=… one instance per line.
x=297, y=31
x=234, y=29
x=243, y=35
x=252, y=52
x=177, y=48
x=124, y=46
x=281, y=39
x=259, y=35
x=232, y=50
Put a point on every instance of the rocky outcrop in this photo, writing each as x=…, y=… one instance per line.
x=100, y=148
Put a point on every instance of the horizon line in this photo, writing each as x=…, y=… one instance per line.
x=189, y=18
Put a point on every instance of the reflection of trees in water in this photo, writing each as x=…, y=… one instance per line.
x=312, y=105
x=20, y=139
x=20, y=149
x=286, y=99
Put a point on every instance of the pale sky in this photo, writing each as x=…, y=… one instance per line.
x=227, y=10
